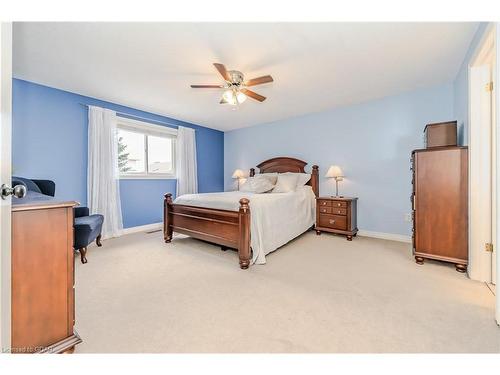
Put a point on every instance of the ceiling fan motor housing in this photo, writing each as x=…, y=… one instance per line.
x=236, y=77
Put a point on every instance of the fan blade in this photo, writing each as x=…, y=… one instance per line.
x=253, y=95
x=207, y=86
x=223, y=72
x=259, y=80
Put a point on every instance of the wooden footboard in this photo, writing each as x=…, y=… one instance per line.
x=226, y=228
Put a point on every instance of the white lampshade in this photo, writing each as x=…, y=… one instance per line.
x=334, y=171
x=240, y=97
x=238, y=174
x=233, y=97
x=230, y=97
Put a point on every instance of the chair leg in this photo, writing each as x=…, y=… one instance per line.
x=98, y=241
x=83, y=252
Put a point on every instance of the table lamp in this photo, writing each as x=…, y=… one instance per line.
x=239, y=175
x=335, y=172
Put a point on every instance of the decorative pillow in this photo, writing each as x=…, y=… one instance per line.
x=272, y=177
x=302, y=179
x=257, y=184
x=286, y=183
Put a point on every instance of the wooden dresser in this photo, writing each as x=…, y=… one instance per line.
x=337, y=215
x=439, y=203
x=43, y=298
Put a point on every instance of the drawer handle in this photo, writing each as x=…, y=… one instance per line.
x=338, y=204
x=332, y=221
x=324, y=203
x=323, y=210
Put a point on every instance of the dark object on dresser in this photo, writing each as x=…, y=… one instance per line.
x=337, y=215
x=87, y=227
x=439, y=203
x=45, y=187
x=87, y=230
x=441, y=134
x=43, y=307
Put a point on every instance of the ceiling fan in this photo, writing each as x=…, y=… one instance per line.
x=236, y=86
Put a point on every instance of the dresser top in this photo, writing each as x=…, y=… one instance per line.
x=36, y=201
x=440, y=148
x=341, y=198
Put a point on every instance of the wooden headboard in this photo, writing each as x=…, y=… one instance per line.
x=285, y=164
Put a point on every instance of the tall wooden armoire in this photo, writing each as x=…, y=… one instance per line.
x=440, y=207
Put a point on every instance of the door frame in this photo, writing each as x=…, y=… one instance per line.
x=5, y=178
x=480, y=213
x=492, y=35
x=497, y=171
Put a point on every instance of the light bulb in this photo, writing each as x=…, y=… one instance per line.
x=229, y=97
x=241, y=97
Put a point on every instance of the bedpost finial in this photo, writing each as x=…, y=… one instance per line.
x=315, y=169
x=168, y=197
x=252, y=172
x=244, y=203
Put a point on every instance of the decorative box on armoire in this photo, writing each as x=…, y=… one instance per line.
x=439, y=204
x=440, y=134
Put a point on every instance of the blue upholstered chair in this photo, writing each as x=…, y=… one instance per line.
x=87, y=227
x=87, y=230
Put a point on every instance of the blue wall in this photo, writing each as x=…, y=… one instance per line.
x=49, y=140
x=372, y=142
x=461, y=88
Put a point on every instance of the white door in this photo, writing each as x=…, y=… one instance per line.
x=5, y=177
x=480, y=174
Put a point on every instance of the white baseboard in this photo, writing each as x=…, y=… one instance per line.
x=142, y=228
x=385, y=236
x=363, y=233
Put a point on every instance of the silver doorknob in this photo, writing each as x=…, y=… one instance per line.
x=18, y=191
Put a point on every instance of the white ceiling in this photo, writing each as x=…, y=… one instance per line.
x=315, y=66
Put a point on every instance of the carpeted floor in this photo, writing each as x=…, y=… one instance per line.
x=316, y=294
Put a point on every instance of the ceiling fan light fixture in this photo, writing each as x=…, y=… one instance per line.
x=240, y=97
x=229, y=97
x=235, y=86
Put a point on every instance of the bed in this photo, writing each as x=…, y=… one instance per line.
x=226, y=219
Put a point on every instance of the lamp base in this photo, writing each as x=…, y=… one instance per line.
x=337, y=188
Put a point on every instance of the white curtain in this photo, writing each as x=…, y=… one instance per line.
x=187, y=179
x=103, y=190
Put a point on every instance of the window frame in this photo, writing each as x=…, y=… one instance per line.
x=147, y=129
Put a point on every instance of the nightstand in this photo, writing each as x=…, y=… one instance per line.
x=337, y=215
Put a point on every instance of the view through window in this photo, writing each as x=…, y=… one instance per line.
x=142, y=154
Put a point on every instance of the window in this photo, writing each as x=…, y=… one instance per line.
x=145, y=150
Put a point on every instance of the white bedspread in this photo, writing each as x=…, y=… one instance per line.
x=276, y=218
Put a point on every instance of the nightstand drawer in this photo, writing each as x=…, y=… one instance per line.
x=325, y=210
x=333, y=221
x=322, y=203
x=342, y=204
x=338, y=211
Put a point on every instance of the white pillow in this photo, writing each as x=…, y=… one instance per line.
x=272, y=177
x=257, y=184
x=286, y=183
x=302, y=179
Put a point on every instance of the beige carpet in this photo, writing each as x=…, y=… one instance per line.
x=316, y=294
